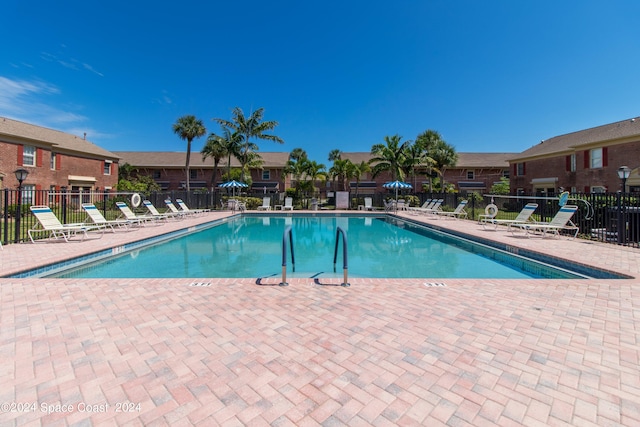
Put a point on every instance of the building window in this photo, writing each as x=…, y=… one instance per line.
x=107, y=168
x=572, y=161
x=505, y=173
x=52, y=194
x=157, y=174
x=520, y=169
x=52, y=162
x=193, y=173
x=595, y=156
x=598, y=189
x=471, y=174
x=28, y=155
x=27, y=194
x=266, y=174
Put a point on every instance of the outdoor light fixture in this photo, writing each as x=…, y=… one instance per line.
x=21, y=175
x=623, y=174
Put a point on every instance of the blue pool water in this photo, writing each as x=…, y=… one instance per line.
x=378, y=247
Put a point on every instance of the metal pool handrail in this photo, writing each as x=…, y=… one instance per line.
x=287, y=231
x=345, y=266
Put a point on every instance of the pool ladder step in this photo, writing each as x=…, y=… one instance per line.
x=288, y=232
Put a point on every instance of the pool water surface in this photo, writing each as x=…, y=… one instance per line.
x=378, y=247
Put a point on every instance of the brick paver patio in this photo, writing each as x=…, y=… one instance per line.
x=475, y=352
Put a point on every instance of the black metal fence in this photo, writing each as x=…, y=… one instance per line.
x=16, y=218
x=608, y=217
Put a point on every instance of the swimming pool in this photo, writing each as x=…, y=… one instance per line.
x=251, y=246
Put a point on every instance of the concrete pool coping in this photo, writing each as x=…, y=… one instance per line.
x=383, y=351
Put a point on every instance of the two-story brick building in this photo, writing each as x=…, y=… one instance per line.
x=472, y=172
x=53, y=159
x=167, y=168
x=582, y=161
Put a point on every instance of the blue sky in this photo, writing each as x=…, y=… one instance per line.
x=490, y=76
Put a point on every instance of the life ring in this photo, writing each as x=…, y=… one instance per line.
x=491, y=210
x=135, y=200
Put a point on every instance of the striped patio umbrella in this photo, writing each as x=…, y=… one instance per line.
x=233, y=184
x=397, y=185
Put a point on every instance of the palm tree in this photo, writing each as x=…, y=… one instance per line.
x=427, y=142
x=357, y=171
x=334, y=155
x=413, y=156
x=389, y=157
x=247, y=128
x=296, y=166
x=188, y=128
x=315, y=171
x=443, y=155
x=216, y=149
x=340, y=171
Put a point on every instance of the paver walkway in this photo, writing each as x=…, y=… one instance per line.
x=381, y=352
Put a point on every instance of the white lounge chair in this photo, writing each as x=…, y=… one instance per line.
x=187, y=210
x=368, y=204
x=425, y=205
x=127, y=213
x=97, y=218
x=459, y=212
x=561, y=221
x=164, y=215
x=174, y=210
x=266, y=204
x=49, y=223
x=433, y=208
x=288, y=204
x=523, y=217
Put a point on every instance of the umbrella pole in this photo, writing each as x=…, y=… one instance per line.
x=396, y=200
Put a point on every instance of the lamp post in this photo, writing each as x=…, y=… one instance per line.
x=21, y=175
x=623, y=174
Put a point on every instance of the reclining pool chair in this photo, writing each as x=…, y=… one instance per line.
x=127, y=213
x=164, y=215
x=523, y=217
x=50, y=224
x=97, y=218
x=561, y=221
x=459, y=212
x=187, y=210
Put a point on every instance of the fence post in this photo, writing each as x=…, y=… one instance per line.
x=18, y=217
x=105, y=198
x=619, y=220
x=5, y=214
x=63, y=204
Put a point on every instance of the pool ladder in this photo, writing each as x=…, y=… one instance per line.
x=289, y=233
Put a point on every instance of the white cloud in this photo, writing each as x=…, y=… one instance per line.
x=90, y=68
x=71, y=63
x=24, y=100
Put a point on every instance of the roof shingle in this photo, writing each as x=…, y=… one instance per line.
x=571, y=141
x=177, y=159
x=57, y=139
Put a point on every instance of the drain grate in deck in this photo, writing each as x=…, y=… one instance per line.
x=200, y=284
x=435, y=285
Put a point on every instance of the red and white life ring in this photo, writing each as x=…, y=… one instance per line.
x=491, y=210
x=136, y=200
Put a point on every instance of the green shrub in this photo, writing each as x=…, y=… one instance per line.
x=13, y=209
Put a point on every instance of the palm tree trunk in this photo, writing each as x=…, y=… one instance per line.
x=187, y=163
